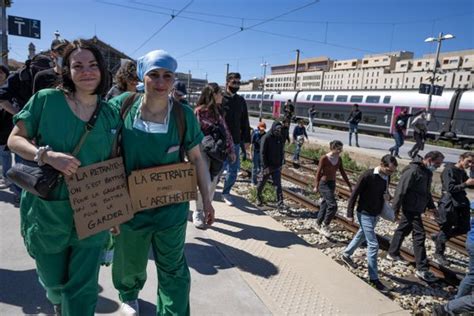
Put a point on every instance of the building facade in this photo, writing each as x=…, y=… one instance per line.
x=393, y=70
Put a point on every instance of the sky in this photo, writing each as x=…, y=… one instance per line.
x=206, y=35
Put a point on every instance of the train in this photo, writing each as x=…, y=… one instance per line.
x=452, y=113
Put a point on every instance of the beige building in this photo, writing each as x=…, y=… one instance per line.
x=393, y=70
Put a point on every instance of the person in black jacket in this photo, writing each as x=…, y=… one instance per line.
x=453, y=208
x=271, y=152
x=354, y=118
x=401, y=124
x=371, y=192
x=237, y=120
x=413, y=196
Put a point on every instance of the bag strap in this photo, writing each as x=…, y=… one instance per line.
x=124, y=110
x=88, y=128
x=178, y=114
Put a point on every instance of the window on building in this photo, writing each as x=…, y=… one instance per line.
x=372, y=99
x=329, y=97
x=317, y=97
x=386, y=99
x=365, y=62
x=414, y=79
x=354, y=63
x=460, y=77
x=341, y=98
x=453, y=61
x=445, y=61
x=356, y=98
x=418, y=63
x=468, y=78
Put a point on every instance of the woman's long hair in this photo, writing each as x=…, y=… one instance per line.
x=206, y=100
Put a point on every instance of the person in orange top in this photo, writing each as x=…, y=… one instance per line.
x=325, y=184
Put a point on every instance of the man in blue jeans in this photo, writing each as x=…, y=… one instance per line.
x=464, y=300
x=237, y=120
x=256, y=141
x=371, y=193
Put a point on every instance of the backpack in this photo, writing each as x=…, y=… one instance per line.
x=214, y=143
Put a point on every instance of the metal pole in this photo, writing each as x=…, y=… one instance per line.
x=189, y=85
x=265, y=64
x=296, y=69
x=4, y=40
x=227, y=71
x=433, y=78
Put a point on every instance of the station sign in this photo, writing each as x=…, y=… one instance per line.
x=426, y=88
x=24, y=27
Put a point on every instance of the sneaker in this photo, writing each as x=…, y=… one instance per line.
x=426, y=276
x=280, y=206
x=396, y=259
x=228, y=199
x=325, y=231
x=398, y=156
x=348, y=262
x=259, y=202
x=379, y=286
x=439, y=310
x=129, y=308
x=440, y=259
x=357, y=145
x=57, y=309
x=198, y=219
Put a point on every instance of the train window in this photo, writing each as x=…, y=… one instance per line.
x=386, y=99
x=308, y=97
x=271, y=97
x=254, y=96
x=247, y=96
x=372, y=99
x=356, y=98
x=369, y=119
x=317, y=97
x=339, y=116
x=326, y=115
x=329, y=98
x=266, y=96
x=341, y=98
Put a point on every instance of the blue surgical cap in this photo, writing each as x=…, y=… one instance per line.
x=157, y=59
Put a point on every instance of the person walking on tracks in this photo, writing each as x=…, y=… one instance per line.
x=370, y=193
x=413, y=196
x=453, y=207
x=354, y=118
x=257, y=135
x=464, y=300
x=401, y=124
x=325, y=183
x=420, y=129
x=272, y=153
x=311, y=116
x=299, y=134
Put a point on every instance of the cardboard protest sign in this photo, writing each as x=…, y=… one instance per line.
x=99, y=197
x=163, y=185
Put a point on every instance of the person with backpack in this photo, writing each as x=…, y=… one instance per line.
x=354, y=119
x=217, y=144
x=158, y=131
x=401, y=124
x=257, y=135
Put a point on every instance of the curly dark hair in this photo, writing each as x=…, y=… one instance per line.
x=206, y=99
x=126, y=74
x=68, y=85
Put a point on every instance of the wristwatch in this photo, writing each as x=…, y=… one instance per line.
x=39, y=154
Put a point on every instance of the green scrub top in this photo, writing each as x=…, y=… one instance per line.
x=48, y=225
x=143, y=150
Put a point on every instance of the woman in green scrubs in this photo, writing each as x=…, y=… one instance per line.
x=47, y=131
x=151, y=138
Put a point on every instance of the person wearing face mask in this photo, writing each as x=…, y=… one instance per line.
x=151, y=137
x=413, y=196
x=453, y=208
x=237, y=119
x=371, y=193
x=51, y=78
x=272, y=149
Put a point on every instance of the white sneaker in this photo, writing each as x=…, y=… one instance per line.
x=198, y=219
x=4, y=183
x=228, y=199
x=129, y=308
x=325, y=231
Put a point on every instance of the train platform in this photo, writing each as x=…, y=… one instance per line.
x=246, y=264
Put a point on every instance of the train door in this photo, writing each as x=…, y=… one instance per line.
x=396, y=112
x=276, y=109
x=449, y=126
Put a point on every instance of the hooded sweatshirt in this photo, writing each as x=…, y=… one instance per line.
x=272, y=148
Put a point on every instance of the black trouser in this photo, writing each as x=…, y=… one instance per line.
x=419, y=145
x=276, y=178
x=411, y=222
x=452, y=222
x=328, y=207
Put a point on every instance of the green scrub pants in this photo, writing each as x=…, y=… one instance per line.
x=130, y=260
x=70, y=278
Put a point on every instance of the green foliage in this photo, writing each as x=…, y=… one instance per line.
x=268, y=194
x=246, y=164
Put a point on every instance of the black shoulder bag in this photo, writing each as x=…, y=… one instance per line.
x=41, y=180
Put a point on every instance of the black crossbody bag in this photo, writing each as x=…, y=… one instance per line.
x=41, y=180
